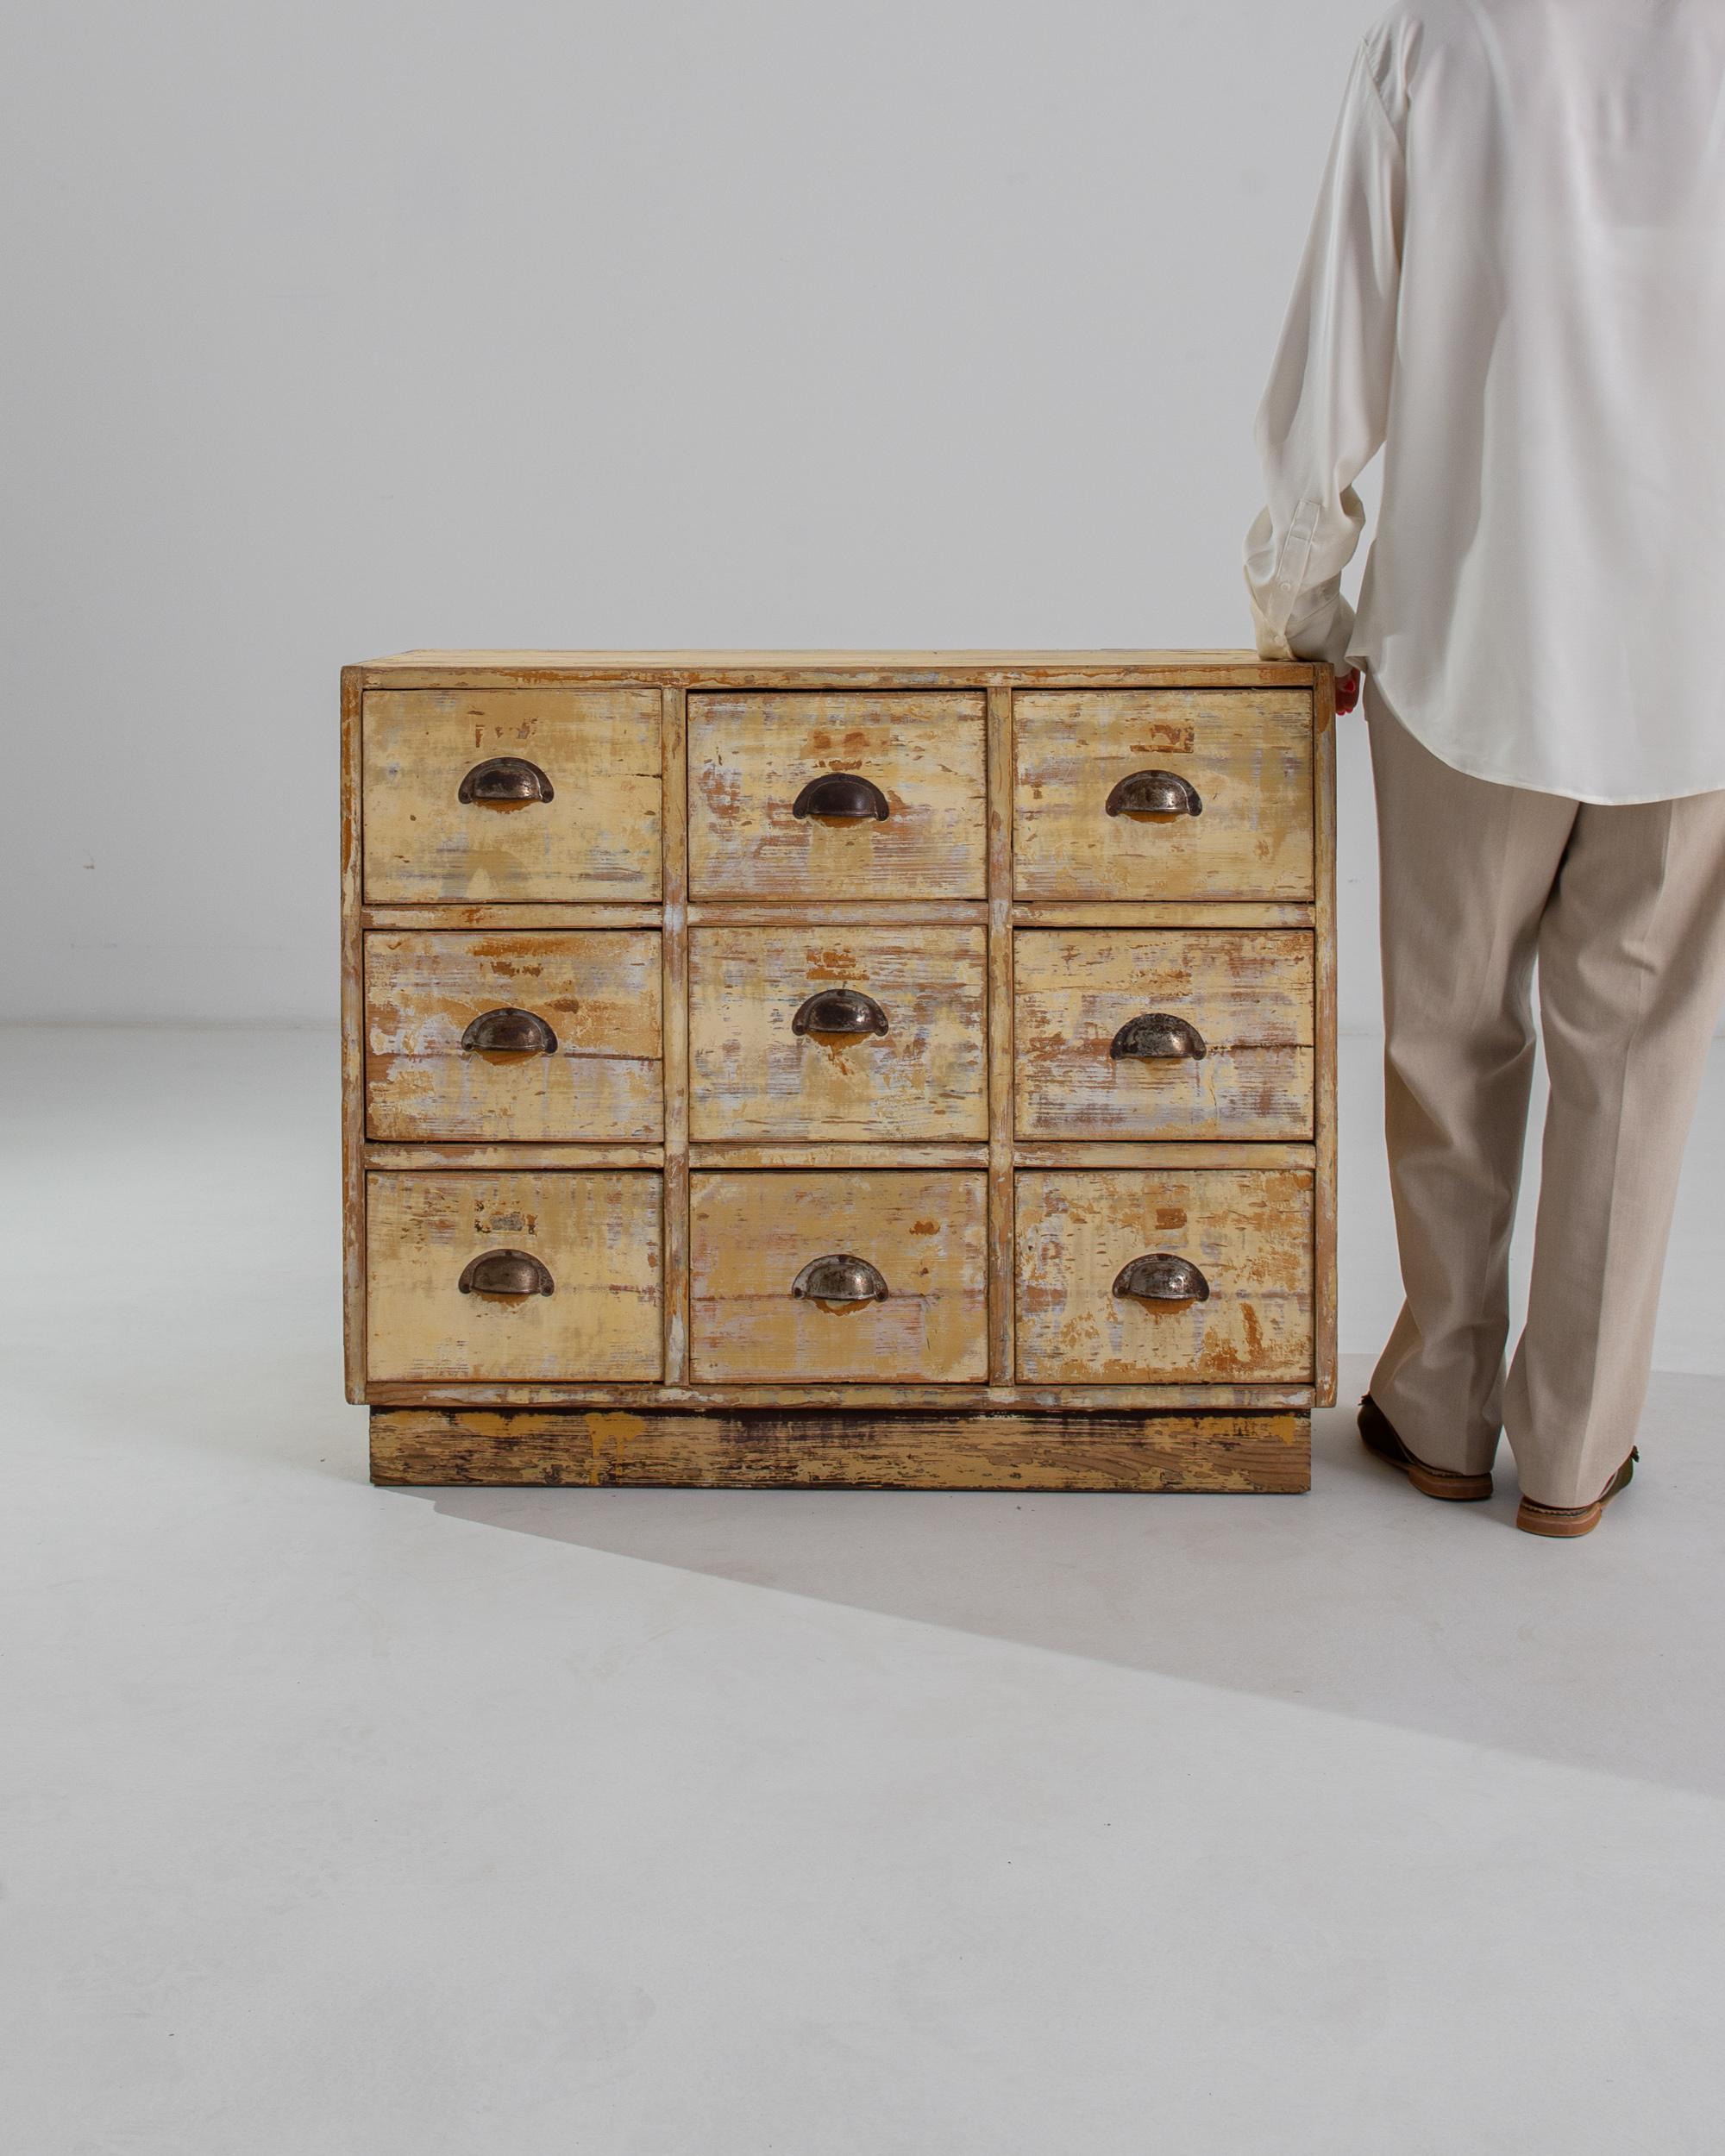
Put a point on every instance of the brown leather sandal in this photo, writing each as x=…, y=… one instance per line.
x=1378, y=1434
x=1564, y=1522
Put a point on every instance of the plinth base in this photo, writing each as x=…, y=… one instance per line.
x=781, y=1449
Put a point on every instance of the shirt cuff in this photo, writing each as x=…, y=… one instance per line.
x=1322, y=632
x=1271, y=636
x=1326, y=633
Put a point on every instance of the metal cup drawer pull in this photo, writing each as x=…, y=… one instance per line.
x=511, y=1273
x=1158, y=1036
x=1154, y=793
x=505, y=780
x=842, y=1011
x=509, y=1030
x=843, y=796
x=839, y=1277
x=1161, y=1277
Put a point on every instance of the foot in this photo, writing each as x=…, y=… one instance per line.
x=1564, y=1522
x=1378, y=1434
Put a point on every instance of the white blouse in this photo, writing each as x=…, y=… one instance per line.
x=1514, y=284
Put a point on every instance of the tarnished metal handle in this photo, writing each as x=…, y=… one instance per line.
x=505, y=1272
x=846, y=1011
x=1159, y=1036
x=1154, y=793
x=510, y=1032
x=842, y=794
x=839, y=1278
x=1161, y=1277
x=505, y=779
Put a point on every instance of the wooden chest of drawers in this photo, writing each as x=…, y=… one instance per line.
x=910, y=1068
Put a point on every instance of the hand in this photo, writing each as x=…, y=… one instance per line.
x=1347, y=690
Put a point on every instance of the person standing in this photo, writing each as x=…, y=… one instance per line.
x=1514, y=286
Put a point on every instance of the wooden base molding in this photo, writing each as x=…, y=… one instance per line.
x=774, y=1449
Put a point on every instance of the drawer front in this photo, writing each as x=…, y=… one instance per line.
x=595, y=838
x=753, y=1233
x=1249, y=1232
x=596, y=1234
x=752, y=756
x=1246, y=753
x=552, y=1035
x=769, y=1056
x=1236, y=1063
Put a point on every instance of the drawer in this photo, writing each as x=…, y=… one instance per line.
x=595, y=1236
x=509, y=1037
x=1236, y=1063
x=756, y=832
x=593, y=754
x=770, y=1056
x=1245, y=755
x=1247, y=1231
x=753, y=1235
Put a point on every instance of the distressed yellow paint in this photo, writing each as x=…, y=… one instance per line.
x=597, y=838
x=1249, y=1231
x=1248, y=752
x=1249, y=995
x=751, y=1233
x=752, y=1078
x=597, y=1230
x=598, y=990
x=751, y=754
x=667, y=913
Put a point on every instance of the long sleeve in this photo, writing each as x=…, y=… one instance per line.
x=1326, y=410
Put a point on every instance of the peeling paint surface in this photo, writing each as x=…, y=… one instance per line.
x=598, y=1231
x=1248, y=1230
x=1248, y=752
x=598, y=837
x=600, y=990
x=751, y=754
x=1250, y=996
x=752, y=1077
x=895, y=1145
x=751, y=1233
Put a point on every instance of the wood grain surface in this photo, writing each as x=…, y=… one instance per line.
x=1267, y=1452
x=1248, y=752
x=598, y=1231
x=599, y=990
x=753, y=1078
x=898, y=1395
x=1324, y=814
x=353, y=1052
x=512, y=916
x=839, y=668
x=1249, y=997
x=751, y=1233
x=674, y=741
x=1001, y=1315
x=751, y=754
x=597, y=838
x=1248, y=1230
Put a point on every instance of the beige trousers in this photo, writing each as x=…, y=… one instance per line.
x=1624, y=908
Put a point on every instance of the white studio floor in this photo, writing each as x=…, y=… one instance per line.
x=347, y=1822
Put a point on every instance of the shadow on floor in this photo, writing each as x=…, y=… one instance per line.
x=1361, y=1599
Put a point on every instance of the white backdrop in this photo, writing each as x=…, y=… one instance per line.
x=346, y=325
